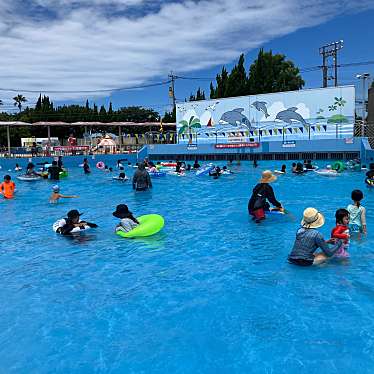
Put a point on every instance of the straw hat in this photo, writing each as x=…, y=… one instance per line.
x=267, y=177
x=312, y=219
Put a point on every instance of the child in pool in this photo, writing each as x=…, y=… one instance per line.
x=357, y=213
x=7, y=187
x=128, y=221
x=341, y=231
x=56, y=195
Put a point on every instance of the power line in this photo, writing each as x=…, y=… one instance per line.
x=88, y=91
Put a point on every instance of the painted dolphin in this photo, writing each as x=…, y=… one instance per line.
x=290, y=115
x=261, y=107
x=235, y=117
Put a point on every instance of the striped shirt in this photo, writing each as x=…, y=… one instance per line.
x=307, y=242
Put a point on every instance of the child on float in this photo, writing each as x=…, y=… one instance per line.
x=128, y=221
x=57, y=196
x=7, y=187
x=341, y=231
x=357, y=214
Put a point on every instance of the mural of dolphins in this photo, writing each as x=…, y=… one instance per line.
x=290, y=115
x=261, y=107
x=235, y=117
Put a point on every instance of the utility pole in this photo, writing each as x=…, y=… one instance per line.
x=172, y=87
x=327, y=51
x=363, y=77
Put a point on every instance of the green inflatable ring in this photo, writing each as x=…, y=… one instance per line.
x=150, y=224
x=338, y=166
x=63, y=174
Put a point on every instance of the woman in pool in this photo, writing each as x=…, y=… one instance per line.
x=308, y=240
x=141, y=180
x=262, y=192
x=128, y=221
x=67, y=225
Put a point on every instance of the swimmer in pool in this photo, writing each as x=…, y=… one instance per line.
x=128, y=221
x=67, y=225
x=308, y=240
x=7, y=187
x=56, y=195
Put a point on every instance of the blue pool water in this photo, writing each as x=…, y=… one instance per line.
x=211, y=293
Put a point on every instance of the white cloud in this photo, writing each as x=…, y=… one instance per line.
x=85, y=50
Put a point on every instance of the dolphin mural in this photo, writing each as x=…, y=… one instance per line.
x=235, y=117
x=261, y=107
x=290, y=115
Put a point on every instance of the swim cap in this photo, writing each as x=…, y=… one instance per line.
x=56, y=188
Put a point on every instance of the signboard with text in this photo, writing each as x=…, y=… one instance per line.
x=238, y=145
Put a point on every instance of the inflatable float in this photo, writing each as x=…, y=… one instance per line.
x=150, y=224
x=100, y=165
x=157, y=174
x=279, y=172
x=29, y=178
x=120, y=179
x=338, y=166
x=313, y=169
x=327, y=172
x=181, y=174
x=205, y=169
x=173, y=164
x=369, y=182
x=75, y=230
x=63, y=173
x=274, y=212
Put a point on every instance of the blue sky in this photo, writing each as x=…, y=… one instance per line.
x=60, y=45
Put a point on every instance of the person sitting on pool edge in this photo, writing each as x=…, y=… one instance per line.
x=67, y=225
x=308, y=240
x=141, y=180
x=262, y=192
x=128, y=221
x=7, y=187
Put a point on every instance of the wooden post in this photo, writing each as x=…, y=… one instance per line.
x=86, y=133
x=8, y=136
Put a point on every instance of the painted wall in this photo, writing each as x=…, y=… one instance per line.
x=307, y=114
x=321, y=145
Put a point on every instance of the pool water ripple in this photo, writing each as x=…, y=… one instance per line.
x=212, y=292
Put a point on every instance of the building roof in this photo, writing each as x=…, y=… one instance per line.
x=72, y=124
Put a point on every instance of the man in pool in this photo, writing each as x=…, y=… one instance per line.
x=258, y=205
x=54, y=171
x=141, y=180
x=308, y=240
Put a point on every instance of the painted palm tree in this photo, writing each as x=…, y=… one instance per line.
x=189, y=127
x=18, y=100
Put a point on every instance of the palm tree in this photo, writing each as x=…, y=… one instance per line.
x=189, y=127
x=18, y=100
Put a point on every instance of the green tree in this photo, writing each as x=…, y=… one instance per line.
x=237, y=82
x=200, y=95
x=273, y=73
x=221, y=80
x=18, y=100
x=268, y=73
x=169, y=117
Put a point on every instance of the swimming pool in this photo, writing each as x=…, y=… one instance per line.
x=211, y=293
